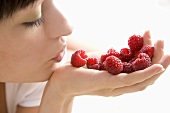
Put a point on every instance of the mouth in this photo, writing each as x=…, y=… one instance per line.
x=59, y=56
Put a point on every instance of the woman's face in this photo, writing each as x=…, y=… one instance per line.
x=31, y=42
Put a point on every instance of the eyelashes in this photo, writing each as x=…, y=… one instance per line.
x=35, y=23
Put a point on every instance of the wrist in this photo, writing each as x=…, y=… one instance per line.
x=68, y=104
x=52, y=102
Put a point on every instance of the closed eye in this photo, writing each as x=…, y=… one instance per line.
x=35, y=23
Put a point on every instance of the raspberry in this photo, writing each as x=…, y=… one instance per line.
x=78, y=58
x=135, y=42
x=113, y=65
x=126, y=54
x=133, y=59
x=93, y=63
x=110, y=52
x=143, y=61
x=103, y=57
x=128, y=60
x=148, y=49
x=127, y=67
x=136, y=53
x=102, y=67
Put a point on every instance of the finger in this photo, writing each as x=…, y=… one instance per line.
x=158, y=51
x=127, y=89
x=124, y=79
x=158, y=47
x=165, y=61
x=90, y=80
x=123, y=83
x=147, y=38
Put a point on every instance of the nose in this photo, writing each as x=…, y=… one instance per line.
x=56, y=25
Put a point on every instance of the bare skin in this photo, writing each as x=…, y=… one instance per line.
x=34, y=55
x=101, y=83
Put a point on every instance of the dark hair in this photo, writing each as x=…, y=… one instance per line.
x=9, y=7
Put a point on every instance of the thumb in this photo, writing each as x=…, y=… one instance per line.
x=158, y=51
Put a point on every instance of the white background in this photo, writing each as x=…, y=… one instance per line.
x=105, y=23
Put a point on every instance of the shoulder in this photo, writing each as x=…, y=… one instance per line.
x=24, y=88
x=24, y=94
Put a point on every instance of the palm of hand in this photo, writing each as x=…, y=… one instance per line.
x=71, y=81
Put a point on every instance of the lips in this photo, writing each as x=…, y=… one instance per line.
x=60, y=56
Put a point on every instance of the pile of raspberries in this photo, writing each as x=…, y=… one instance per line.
x=137, y=57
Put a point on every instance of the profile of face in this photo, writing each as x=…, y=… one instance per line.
x=32, y=41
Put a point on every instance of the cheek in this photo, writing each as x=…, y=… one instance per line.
x=26, y=46
x=24, y=56
x=19, y=59
x=24, y=64
x=18, y=53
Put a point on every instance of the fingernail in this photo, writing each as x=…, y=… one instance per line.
x=160, y=71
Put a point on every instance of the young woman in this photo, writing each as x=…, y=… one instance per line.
x=33, y=41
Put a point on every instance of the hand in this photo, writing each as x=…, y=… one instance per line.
x=70, y=81
x=159, y=58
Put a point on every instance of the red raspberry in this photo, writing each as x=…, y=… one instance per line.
x=103, y=57
x=126, y=54
x=133, y=59
x=136, y=54
x=110, y=52
x=148, y=49
x=127, y=67
x=113, y=65
x=93, y=63
x=78, y=58
x=113, y=52
x=143, y=61
x=135, y=42
x=128, y=60
x=102, y=67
